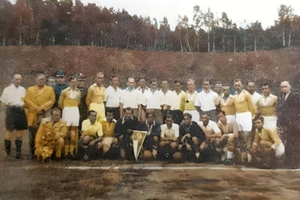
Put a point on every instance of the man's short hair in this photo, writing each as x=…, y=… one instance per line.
x=154, y=80
x=169, y=116
x=266, y=84
x=258, y=117
x=238, y=80
x=178, y=81
x=129, y=108
x=91, y=111
x=206, y=80
x=149, y=113
x=187, y=115
x=221, y=111
x=55, y=109
x=112, y=77
x=72, y=78
x=109, y=111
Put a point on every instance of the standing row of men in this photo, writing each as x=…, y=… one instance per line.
x=240, y=108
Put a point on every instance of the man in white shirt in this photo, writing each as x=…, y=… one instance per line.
x=168, y=139
x=141, y=100
x=113, y=96
x=153, y=100
x=129, y=98
x=167, y=99
x=15, y=119
x=213, y=137
x=207, y=101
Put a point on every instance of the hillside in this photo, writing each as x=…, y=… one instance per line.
x=275, y=65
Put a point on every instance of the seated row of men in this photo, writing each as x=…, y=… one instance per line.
x=205, y=141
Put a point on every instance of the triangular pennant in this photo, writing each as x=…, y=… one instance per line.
x=138, y=138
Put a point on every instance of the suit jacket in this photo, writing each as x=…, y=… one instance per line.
x=288, y=111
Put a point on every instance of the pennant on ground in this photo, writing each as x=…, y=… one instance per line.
x=138, y=138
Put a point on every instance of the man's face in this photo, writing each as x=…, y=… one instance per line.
x=142, y=83
x=55, y=115
x=51, y=82
x=285, y=87
x=99, y=79
x=238, y=86
x=164, y=85
x=218, y=88
x=81, y=83
x=93, y=117
x=130, y=82
x=222, y=118
x=109, y=116
x=204, y=119
x=191, y=86
x=266, y=90
x=60, y=80
x=73, y=83
x=206, y=85
x=153, y=85
x=169, y=122
x=186, y=120
x=17, y=79
x=150, y=119
x=258, y=124
x=115, y=82
x=128, y=114
x=251, y=87
x=226, y=90
x=177, y=87
x=40, y=80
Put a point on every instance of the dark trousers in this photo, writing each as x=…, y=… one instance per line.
x=177, y=116
x=292, y=148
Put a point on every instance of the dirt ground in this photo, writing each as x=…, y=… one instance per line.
x=26, y=179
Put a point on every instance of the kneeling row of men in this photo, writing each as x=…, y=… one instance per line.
x=192, y=141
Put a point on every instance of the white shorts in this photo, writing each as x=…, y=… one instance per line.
x=107, y=140
x=230, y=118
x=71, y=116
x=195, y=115
x=270, y=122
x=244, y=121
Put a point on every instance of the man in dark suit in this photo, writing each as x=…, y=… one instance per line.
x=288, y=112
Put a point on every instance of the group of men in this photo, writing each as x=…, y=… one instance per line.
x=71, y=121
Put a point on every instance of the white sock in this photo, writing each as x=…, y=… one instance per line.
x=229, y=154
x=249, y=157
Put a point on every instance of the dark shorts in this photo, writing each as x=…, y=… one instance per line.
x=15, y=118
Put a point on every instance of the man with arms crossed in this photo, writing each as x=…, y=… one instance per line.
x=15, y=118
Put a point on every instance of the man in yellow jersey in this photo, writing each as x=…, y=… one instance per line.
x=226, y=104
x=191, y=96
x=69, y=101
x=38, y=101
x=266, y=106
x=266, y=144
x=91, y=133
x=108, y=126
x=177, y=102
x=244, y=113
x=96, y=96
x=50, y=137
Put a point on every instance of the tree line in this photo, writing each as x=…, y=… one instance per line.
x=60, y=22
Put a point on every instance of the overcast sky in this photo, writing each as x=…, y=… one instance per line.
x=265, y=11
